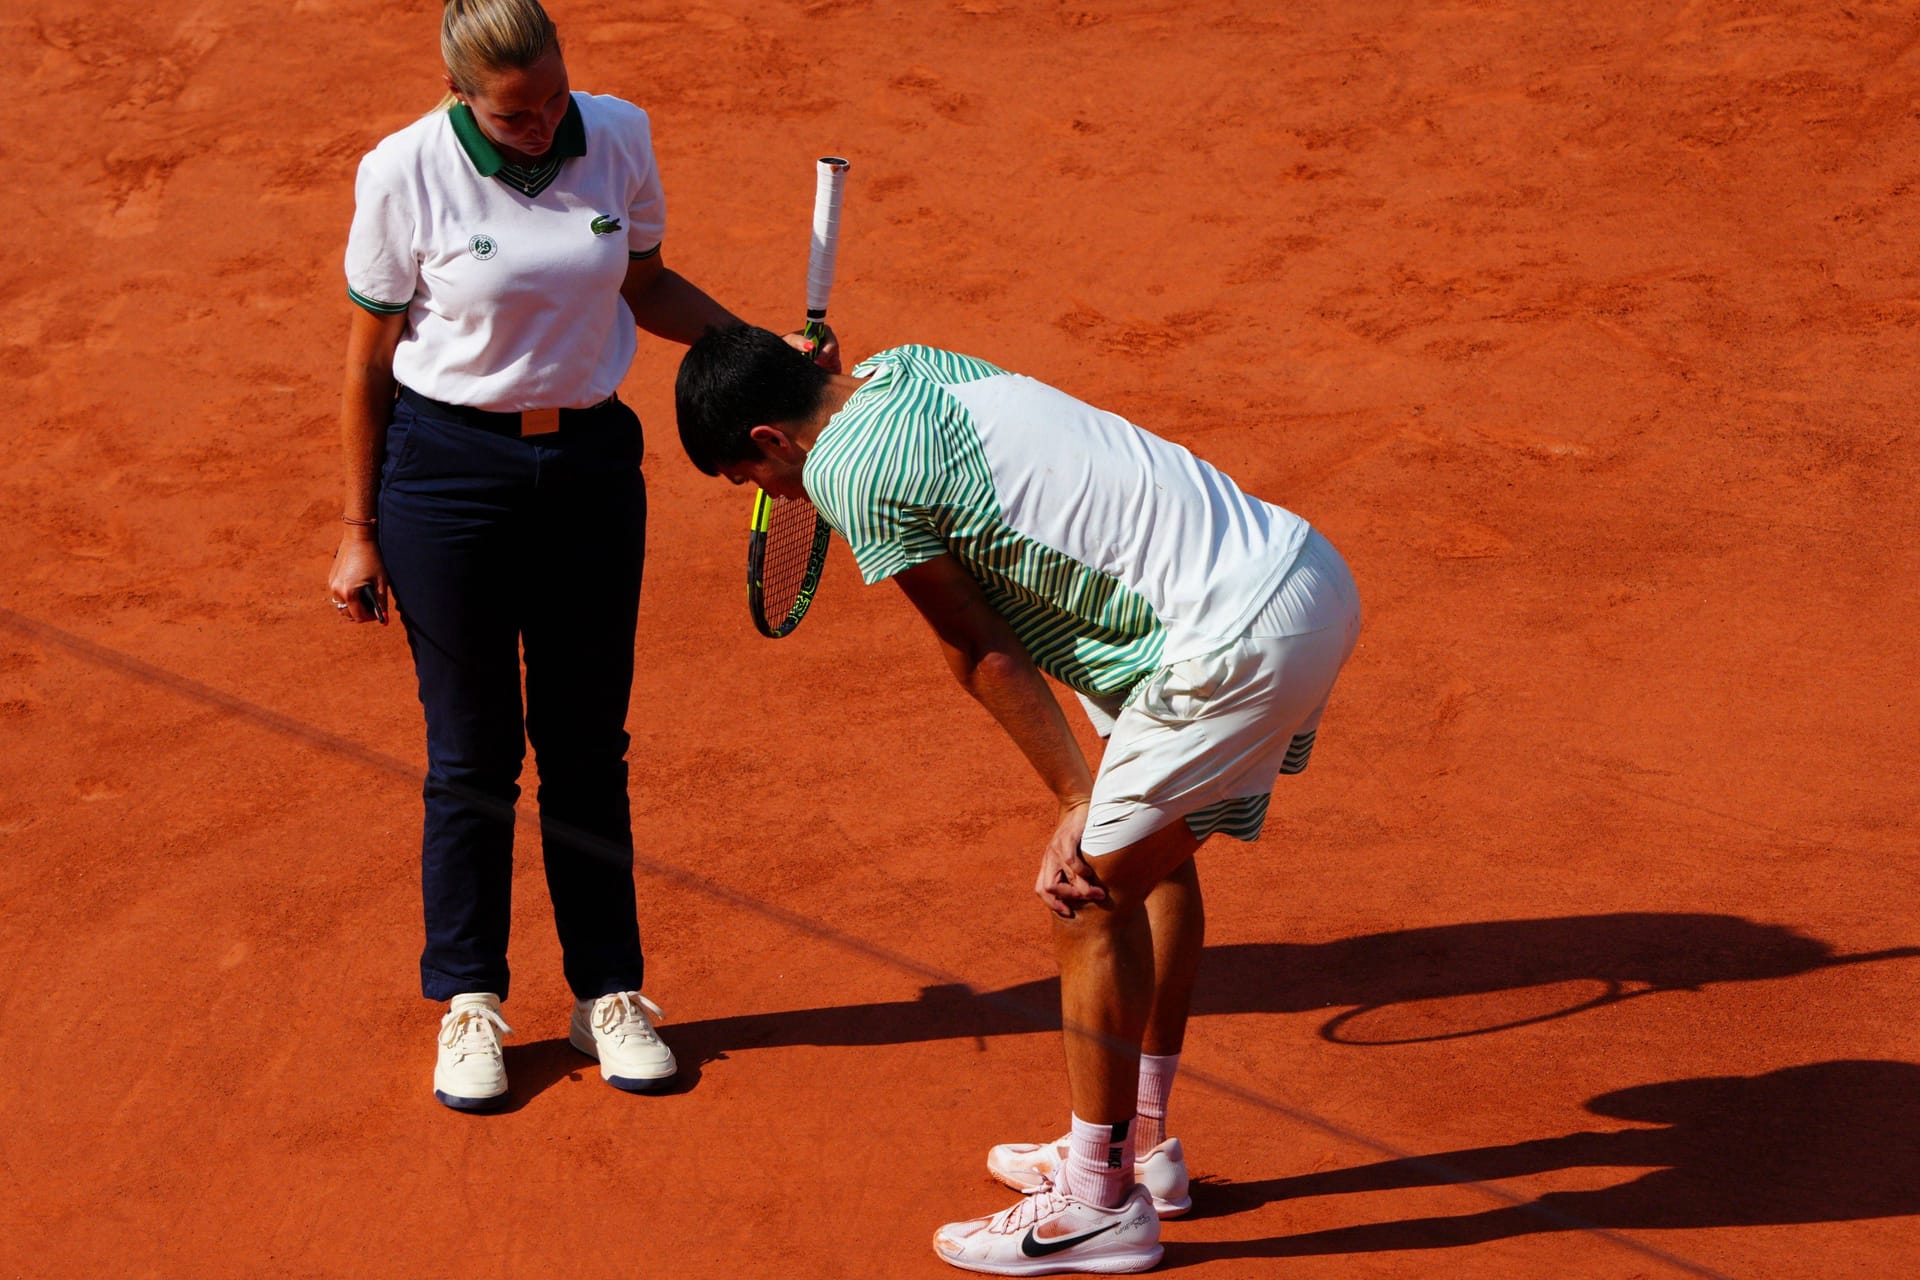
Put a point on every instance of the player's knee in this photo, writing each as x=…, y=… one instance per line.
x=1105, y=917
x=1087, y=932
x=1130, y=874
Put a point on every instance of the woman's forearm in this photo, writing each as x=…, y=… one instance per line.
x=366, y=403
x=671, y=306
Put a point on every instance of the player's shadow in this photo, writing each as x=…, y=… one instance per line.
x=1825, y=1142
x=1384, y=988
x=535, y=1067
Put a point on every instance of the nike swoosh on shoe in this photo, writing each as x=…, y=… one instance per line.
x=1034, y=1247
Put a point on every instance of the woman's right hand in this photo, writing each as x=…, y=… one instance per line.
x=355, y=565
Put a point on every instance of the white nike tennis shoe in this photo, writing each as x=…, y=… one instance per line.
x=471, y=1073
x=1162, y=1171
x=617, y=1030
x=1050, y=1231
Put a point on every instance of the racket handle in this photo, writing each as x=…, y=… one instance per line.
x=830, y=179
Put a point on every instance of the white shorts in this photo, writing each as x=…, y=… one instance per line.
x=1204, y=739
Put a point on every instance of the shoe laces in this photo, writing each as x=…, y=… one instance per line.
x=473, y=1028
x=624, y=1013
x=1050, y=1180
x=1040, y=1203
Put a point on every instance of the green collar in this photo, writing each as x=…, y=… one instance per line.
x=570, y=139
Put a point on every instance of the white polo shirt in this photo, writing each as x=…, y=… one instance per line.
x=509, y=278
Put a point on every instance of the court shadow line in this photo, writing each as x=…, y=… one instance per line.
x=1629, y=955
x=1834, y=1141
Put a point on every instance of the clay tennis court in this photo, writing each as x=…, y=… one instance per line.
x=1586, y=948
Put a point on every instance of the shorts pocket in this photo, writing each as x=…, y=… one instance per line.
x=1178, y=694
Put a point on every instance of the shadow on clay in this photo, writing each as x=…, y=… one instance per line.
x=1829, y=1141
x=1824, y=1142
x=534, y=1068
x=1402, y=987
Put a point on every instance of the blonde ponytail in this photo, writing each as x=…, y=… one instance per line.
x=481, y=36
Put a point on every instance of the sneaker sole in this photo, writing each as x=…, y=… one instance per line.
x=1116, y=1265
x=459, y=1103
x=628, y=1084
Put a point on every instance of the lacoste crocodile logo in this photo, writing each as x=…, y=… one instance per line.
x=604, y=224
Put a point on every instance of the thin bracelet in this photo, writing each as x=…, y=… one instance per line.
x=359, y=523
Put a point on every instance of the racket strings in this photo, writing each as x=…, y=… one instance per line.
x=787, y=560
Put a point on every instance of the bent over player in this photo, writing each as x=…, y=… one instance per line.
x=1202, y=629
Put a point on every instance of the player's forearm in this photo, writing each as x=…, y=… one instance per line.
x=991, y=663
x=1014, y=692
x=672, y=307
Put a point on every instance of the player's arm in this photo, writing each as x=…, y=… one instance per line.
x=991, y=664
x=366, y=405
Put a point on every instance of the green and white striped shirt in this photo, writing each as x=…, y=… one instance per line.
x=1109, y=551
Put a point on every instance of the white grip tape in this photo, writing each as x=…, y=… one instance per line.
x=832, y=174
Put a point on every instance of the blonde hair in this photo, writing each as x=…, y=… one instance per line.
x=479, y=36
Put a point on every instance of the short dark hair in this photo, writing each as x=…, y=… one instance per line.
x=735, y=379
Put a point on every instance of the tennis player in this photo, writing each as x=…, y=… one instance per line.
x=502, y=250
x=1203, y=630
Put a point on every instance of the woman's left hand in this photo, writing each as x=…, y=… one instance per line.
x=826, y=355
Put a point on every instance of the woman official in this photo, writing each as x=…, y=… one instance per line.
x=502, y=251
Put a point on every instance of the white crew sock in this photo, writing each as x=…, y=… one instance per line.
x=1156, y=1083
x=1099, y=1166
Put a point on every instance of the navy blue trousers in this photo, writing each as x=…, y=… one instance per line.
x=493, y=543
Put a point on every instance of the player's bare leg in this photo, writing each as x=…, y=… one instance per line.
x=1177, y=924
x=1093, y=1212
x=1106, y=987
x=1178, y=921
x=1107, y=958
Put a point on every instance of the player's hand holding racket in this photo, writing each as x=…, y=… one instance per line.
x=787, y=540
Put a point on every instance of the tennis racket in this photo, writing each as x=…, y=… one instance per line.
x=787, y=541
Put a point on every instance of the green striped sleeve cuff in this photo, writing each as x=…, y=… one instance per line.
x=635, y=255
x=378, y=308
x=878, y=562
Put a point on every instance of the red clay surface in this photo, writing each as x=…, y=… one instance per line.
x=1587, y=331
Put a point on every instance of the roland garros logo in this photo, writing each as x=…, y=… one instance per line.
x=482, y=247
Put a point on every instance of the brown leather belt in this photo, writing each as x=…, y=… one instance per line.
x=527, y=422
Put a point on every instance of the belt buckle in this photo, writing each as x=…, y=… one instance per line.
x=538, y=422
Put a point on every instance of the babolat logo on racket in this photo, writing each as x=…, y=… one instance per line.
x=604, y=224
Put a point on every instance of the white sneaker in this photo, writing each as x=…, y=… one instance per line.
x=1051, y=1231
x=1162, y=1171
x=616, y=1030
x=471, y=1074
